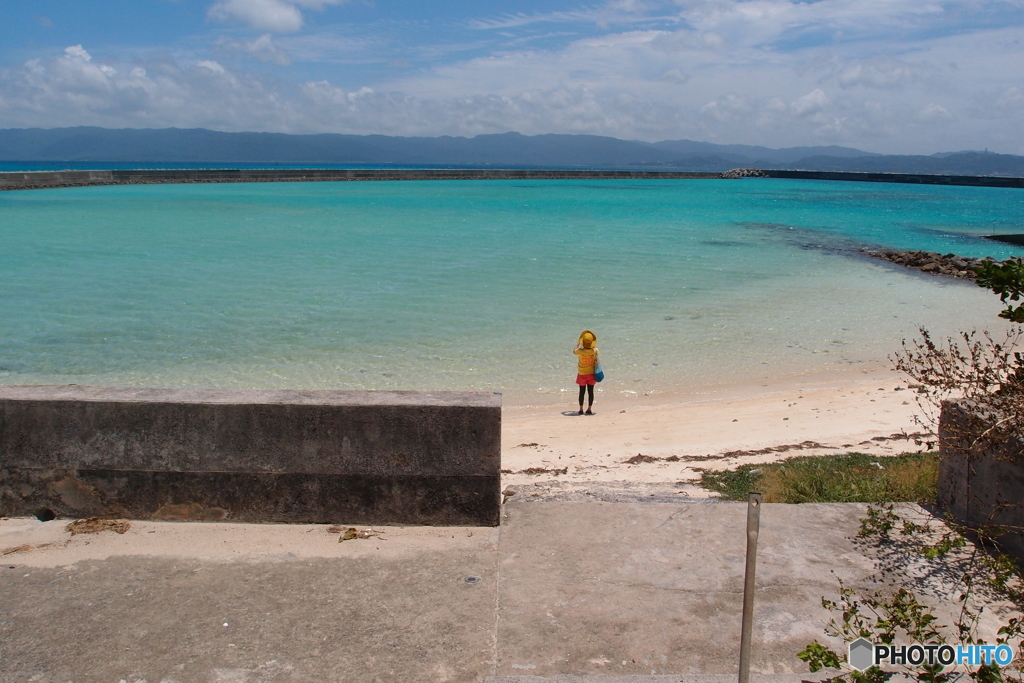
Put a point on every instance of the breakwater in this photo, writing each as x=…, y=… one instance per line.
x=41, y=179
x=931, y=262
x=44, y=179
x=911, y=178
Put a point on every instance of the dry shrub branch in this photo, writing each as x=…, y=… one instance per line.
x=977, y=370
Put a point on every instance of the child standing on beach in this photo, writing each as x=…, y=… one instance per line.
x=586, y=352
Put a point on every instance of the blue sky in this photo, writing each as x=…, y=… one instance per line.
x=896, y=76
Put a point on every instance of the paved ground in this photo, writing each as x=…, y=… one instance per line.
x=635, y=590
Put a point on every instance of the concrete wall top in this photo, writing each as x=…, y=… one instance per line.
x=313, y=432
x=74, y=392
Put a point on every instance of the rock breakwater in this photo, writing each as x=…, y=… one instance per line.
x=930, y=262
x=737, y=173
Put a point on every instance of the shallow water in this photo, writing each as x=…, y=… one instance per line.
x=480, y=285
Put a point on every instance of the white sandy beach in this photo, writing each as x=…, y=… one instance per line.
x=867, y=410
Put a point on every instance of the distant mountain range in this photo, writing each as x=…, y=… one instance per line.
x=174, y=145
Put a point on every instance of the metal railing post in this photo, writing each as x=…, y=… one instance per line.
x=753, y=526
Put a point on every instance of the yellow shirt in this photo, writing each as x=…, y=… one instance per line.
x=587, y=361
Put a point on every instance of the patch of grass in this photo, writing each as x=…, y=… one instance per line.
x=851, y=478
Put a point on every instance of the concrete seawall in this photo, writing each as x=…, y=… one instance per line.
x=41, y=179
x=27, y=180
x=911, y=178
x=254, y=456
x=981, y=481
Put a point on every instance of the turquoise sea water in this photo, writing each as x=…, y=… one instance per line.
x=480, y=285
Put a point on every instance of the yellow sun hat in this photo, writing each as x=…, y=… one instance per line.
x=587, y=339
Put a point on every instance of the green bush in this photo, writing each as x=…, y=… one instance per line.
x=851, y=478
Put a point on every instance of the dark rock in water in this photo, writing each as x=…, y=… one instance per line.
x=1008, y=239
x=930, y=262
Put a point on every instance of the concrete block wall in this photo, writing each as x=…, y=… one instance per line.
x=254, y=456
x=981, y=488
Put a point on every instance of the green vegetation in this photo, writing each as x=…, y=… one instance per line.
x=852, y=478
x=970, y=574
x=1007, y=280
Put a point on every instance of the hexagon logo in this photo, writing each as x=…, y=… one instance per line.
x=861, y=654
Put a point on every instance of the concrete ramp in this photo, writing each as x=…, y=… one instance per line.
x=562, y=592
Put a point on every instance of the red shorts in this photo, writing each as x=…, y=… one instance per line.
x=584, y=380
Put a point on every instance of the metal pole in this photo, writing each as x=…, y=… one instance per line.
x=753, y=526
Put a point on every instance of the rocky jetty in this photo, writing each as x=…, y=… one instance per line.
x=744, y=173
x=930, y=262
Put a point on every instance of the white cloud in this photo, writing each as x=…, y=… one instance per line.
x=610, y=13
x=263, y=49
x=728, y=108
x=317, y=4
x=687, y=40
x=77, y=52
x=765, y=22
x=933, y=112
x=885, y=72
x=278, y=16
x=211, y=65
x=675, y=76
x=1011, y=99
x=812, y=103
x=264, y=15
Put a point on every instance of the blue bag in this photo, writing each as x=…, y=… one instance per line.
x=598, y=373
